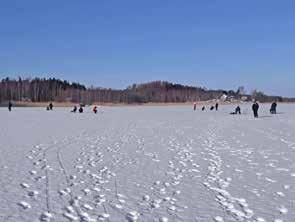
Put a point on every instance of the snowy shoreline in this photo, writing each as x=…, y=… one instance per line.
x=199, y=103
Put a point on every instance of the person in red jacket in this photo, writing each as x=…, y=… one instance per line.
x=95, y=109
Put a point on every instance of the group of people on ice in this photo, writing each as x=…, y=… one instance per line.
x=81, y=110
x=203, y=108
x=49, y=107
x=255, y=108
x=75, y=108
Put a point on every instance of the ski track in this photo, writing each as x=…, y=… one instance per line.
x=131, y=172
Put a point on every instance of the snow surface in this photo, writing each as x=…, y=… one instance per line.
x=147, y=164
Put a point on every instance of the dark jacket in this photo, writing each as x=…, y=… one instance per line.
x=255, y=107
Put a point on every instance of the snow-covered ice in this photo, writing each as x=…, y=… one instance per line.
x=147, y=164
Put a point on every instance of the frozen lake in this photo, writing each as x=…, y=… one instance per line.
x=147, y=164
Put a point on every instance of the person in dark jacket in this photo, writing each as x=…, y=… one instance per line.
x=74, y=109
x=216, y=106
x=255, y=108
x=203, y=108
x=81, y=109
x=273, y=108
x=195, y=106
x=238, y=110
x=50, y=106
x=9, y=106
x=212, y=108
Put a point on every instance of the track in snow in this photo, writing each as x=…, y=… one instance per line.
x=147, y=164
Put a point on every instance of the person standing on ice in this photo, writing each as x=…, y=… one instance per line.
x=255, y=108
x=273, y=108
x=195, y=106
x=216, y=106
x=95, y=109
x=9, y=106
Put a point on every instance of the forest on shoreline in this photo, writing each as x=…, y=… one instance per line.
x=56, y=90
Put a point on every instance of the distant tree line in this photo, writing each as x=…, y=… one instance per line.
x=52, y=89
x=260, y=96
x=39, y=90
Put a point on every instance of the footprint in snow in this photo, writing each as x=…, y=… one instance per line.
x=103, y=216
x=287, y=187
x=163, y=219
x=46, y=216
x=260, y=219
x=281, y=194
x=283, y=210
x=86, y=191
x=33, y=193
x=218, y=219
x=70, y=216
x=24, y=205
x=146, y=198
x=33, y=172
x=156, y=204
x=24, y=185
x=132, y=216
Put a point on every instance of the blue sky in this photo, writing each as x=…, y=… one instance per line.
x=211, y=43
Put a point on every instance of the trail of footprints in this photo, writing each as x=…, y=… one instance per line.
x=87, y=196
x=91, y=190
x=37, y=176
x=238, y=208
x=164, y=195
